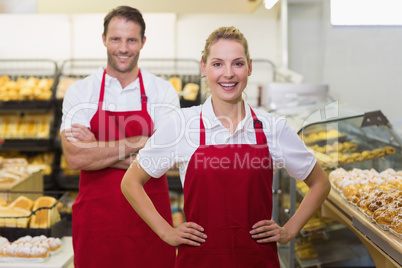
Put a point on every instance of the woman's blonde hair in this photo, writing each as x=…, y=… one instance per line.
x=227, y=33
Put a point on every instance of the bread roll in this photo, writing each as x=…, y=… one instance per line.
x=22, y=202
x=190, y=91
x=177, y=83
x=14, y=217
x=47, y=216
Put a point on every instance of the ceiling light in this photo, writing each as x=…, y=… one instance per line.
x=269, y=3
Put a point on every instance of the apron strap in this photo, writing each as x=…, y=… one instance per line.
x=259, y=133
x=102, y=91
x=144, y=98
x=202, y=131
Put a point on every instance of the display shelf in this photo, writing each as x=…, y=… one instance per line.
x=342, y=247
x=33, y=145
x=370, y=132
x=384, y=248
x=29, y=88
x=26, y=105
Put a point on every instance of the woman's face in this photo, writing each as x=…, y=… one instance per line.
x=227, y=70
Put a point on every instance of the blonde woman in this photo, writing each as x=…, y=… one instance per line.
x=227, y=154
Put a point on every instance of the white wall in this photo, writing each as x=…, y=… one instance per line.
x=59, y=37
x=363, y=65
x=27, y=36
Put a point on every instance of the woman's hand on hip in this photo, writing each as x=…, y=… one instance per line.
x=188, y=233
x=267, y=231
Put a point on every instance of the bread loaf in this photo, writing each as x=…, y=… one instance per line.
x=14, y=217
x=22, y=202
x=45, y=213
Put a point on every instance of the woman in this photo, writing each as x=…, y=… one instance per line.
x=227, y=153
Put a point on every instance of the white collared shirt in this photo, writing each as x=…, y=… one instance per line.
x=81, y=100
x=178, y=138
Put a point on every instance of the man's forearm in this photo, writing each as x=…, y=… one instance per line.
x=95, y=155
x=124, y=164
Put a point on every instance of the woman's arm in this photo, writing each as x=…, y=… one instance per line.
x=268, y=231
x=319, y=188
x=132, y=187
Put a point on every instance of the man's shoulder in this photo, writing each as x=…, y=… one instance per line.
x=152, y=78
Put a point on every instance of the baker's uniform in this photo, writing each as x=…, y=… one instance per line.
x=227, y=185
x=107, y=232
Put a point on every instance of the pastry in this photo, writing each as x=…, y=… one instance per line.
x=378, y=152
x=14, y=217
x=389, y=150
x=190, y=91
x=386, y=217
x=22, y=202
x=396, y=224
x=305, y=251
x=45, y=212
x=177, y=83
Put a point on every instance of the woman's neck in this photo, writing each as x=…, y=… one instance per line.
x=229, y=114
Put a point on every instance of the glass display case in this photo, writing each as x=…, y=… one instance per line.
x=357, y=144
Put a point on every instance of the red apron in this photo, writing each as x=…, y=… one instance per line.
x=227, y=189
x=107, y=232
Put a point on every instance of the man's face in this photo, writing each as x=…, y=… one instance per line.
x=123, y=43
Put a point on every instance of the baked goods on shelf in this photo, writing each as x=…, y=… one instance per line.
x=314, y=138
x=396, y=224
x=13, y=169
x=45, y=213
x=22, y=202
x=31, y=88
x=63, y=85
x=32, y=126
x=190, y=91
x=23, y=212
x=377, y=194
x=177, y=83
x=305, y=251
x=14, y=217
x=327, y=156
x=45, y=159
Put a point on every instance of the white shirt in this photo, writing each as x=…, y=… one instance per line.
x=81, y=100
x=177, y=140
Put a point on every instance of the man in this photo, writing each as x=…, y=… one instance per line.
x=107, y=118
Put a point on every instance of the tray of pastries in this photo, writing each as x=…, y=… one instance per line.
x=28, y=249
x=378, y=195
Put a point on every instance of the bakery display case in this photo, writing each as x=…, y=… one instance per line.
x=362, y=155
x=27, y=112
